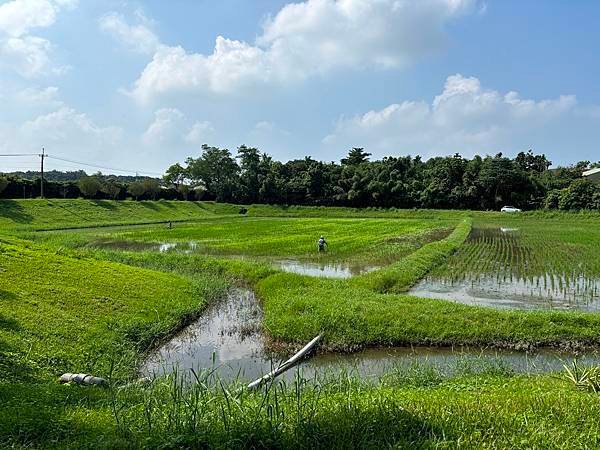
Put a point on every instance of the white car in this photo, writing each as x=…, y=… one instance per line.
x=510, y=209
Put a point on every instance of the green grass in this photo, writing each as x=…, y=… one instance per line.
x=65, y=306
x=400, y=276
x=298, y=308
x=61, y=314
x=58, y=214
x=376, y=241
x=463, y=412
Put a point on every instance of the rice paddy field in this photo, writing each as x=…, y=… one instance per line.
x=440, y=329
x=513, y=262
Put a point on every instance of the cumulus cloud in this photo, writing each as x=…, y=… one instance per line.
x=35, y=98
x=465, y=117
x=307, y=39
x=64, y=131
x=171, y=127
x=138, y=38
x=68, y=126
x=20, y=51
x=200, y=133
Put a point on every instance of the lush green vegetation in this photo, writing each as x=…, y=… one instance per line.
x=442, y=182
x=56, y=214
x=369, y=241
x=67, y=306
x=480, y=183
x=415, y=408
x=62, y=314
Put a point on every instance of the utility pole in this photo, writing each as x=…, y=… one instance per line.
x=42, y=156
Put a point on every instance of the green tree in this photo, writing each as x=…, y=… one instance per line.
x=176, y=175
x=579, y=195
x=111, y=188
x=136, y=189
x=529, y=162
x=3, y=184
x=356, y=156
x=217, y=171
x=89, y=186
x=250, y=173
x=151, y=187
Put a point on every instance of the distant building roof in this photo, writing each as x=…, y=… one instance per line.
x=593, y=175
x=587, y=173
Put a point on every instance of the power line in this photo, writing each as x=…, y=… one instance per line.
x=80, y=163
x=96, y=166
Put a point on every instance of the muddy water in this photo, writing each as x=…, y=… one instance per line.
x=328, y=270
x=227, y=338
x=228, y=341
x=533, y=293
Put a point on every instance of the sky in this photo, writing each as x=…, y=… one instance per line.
x=134, y=86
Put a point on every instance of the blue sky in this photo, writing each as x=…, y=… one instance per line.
x=139, y=85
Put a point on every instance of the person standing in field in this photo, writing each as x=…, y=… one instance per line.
x=322, y=244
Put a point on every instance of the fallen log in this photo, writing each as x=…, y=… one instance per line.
x=286, y=365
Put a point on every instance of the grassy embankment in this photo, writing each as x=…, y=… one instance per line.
x=38, y=214
x=60, y=314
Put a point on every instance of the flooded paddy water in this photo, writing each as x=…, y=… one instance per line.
x=329, y=269
x=508, y=268
x=228, y=341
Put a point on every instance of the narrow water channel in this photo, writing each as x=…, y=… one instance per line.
x=228, y=340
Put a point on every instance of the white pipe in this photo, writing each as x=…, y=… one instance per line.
x=286, y=365
x=82, y=378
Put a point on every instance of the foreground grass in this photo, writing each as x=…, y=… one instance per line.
x=61, y=314
x=418, y=410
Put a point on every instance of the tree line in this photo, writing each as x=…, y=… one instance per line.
x=451, y=182
x=251, y=176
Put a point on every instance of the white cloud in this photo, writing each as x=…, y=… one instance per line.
x=138, y=38
x=171, y=128
x=69, y=126
x=304, y=40
x=20, y=51
x=268, y=129
x=17, y=17
x=38, y=97
x=63, y=132
x=200, y=133
x=167, y=125
x=465, y=117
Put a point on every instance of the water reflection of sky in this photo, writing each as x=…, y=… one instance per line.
x=228, y=340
